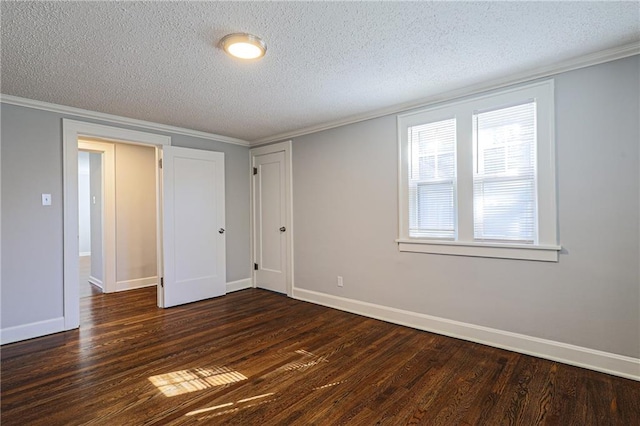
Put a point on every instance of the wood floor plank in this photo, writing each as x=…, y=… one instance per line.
x=258, y=358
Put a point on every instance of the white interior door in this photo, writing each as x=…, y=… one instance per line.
x=270, y=222
x=193, y=225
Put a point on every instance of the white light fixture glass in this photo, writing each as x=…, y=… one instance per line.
x=243, y=46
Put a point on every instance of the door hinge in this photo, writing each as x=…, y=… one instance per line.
x=161, y=281
x=255, y=170
x=160, y=163
x=255, y=266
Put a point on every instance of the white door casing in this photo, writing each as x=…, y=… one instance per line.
x=272, y=219
x=271, y=256
x=72, y=130
x=193, y=225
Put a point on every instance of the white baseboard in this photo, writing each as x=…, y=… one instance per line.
x=239, y=285
x=85, y=253
x=617, y=365
x=150, y=281
x=29, y=331
x=137, y=283
x=93, y=280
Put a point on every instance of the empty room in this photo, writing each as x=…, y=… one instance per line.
x=320, y=213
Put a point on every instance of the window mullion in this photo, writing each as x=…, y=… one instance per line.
x=464, y=170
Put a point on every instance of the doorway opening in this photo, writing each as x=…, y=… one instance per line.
x=74, y=133
x=190, y=210
x=119, y=202
x=90, y=189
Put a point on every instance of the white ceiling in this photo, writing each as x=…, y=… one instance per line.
x=326, y=61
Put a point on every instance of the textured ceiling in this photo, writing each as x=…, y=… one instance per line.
x=158, y=61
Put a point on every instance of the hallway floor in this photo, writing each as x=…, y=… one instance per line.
x=86, y=288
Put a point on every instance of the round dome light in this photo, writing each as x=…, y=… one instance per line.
x=243, y=46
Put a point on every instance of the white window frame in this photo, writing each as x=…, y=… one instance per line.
x=546, y=248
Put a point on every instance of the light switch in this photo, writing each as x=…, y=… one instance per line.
x=46, y=199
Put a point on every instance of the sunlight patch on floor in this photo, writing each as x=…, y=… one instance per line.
x=308, y=360
x=229, y=404
x=329, y=385
x=185, y=381
x=233, y=407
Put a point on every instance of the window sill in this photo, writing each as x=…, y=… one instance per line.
x=473, y=249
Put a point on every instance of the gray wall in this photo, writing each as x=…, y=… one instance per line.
x=135, y=176
x=32, y=281
x=31, y=233
x=95, y=163
x=346, y=220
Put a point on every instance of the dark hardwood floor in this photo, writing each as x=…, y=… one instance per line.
x=258, y=358
x=86, y=288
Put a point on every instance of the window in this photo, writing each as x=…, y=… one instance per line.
x=432, y=178
x=504, y=181
x=477, y=177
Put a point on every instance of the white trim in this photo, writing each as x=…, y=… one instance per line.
x=546, y=247
x=72, y=130
x=116, y=119
x=500, y=251
x=98, y=283
x=136, y=283
x=617, y=365
x=596, y=58
x=0, y=233
x=239, y=285
x=31, y=330
x=289, y=160
x=159, y=227
x=251, y=225
x=114, y=134
x=84, y=253
x=285, y=147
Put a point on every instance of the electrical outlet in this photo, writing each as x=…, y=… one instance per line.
x=340, y=283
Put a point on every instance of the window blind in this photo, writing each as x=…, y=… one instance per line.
x=432, y=173
x=504, y=184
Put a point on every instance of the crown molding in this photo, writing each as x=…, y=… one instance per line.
x=116, y=119
x=596, y=58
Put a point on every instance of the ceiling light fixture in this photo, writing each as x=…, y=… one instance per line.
x=243, y=46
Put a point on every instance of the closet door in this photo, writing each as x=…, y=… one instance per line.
x=270, y=220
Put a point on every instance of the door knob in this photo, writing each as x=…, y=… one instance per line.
x=221, y=230
x=283, y=229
